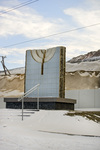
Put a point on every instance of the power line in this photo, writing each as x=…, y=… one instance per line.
x=51, y=35
x=13, y=7
x=18, y=6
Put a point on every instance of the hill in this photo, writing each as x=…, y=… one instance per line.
x=91, y=56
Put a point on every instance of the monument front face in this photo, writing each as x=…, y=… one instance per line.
x=47, y=68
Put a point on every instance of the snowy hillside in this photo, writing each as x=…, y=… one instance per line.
x=70, y=67
x=85, y=66
x=86, y=74
x=91, y=56
x=12, y=86
x=15, y=71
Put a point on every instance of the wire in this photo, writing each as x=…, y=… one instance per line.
x=51, y=35
x=13, y=7
x=18, y=6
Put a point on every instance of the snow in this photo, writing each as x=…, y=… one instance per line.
x=47, y=130
x=70, y=67
x=15, y=71
x=86, y=66
x=84, y=74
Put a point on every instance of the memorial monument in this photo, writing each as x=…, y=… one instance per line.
x=46, y=68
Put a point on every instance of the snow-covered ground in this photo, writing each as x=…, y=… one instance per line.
x=47, y=130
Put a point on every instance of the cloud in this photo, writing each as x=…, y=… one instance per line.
x=20, y=61
x=87, y=39
x=95, y=4
x=28, y=23
x=83, y=17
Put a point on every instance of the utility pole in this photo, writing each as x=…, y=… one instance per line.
x=3, y=65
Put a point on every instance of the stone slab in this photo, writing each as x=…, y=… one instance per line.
x=44, y=103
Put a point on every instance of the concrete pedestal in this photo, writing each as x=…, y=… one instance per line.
x=44, y=103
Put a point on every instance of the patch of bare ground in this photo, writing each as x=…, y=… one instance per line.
x=91, y=115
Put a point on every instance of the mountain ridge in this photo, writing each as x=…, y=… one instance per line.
x=91, y=56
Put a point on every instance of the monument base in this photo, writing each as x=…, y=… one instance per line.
x=44, y=103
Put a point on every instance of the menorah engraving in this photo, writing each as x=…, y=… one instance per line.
x=42, y=56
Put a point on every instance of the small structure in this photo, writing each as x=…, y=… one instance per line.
x=3, y=65
x=46, y=68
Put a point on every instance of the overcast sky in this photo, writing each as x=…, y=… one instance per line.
x=47, y=17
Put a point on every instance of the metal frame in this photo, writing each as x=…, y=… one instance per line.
x=36, y=87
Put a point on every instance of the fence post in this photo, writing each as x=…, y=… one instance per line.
x=38, y=98
x=22, y=107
